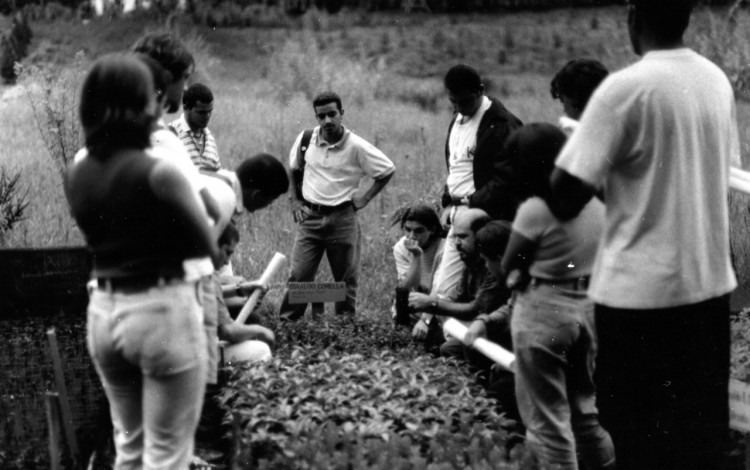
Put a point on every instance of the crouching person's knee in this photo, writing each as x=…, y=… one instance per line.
x=252, y=351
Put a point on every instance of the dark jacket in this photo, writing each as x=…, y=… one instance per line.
x=497, y=191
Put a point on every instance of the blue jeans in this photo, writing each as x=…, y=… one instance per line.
x=149, y=351
x=555, y=344
x=336, y=234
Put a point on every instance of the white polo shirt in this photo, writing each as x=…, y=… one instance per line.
x=333, y=171
x=658, y=138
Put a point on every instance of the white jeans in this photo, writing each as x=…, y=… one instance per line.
x=448, y=274
x=147, y=348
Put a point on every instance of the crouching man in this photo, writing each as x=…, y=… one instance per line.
x=478, y=292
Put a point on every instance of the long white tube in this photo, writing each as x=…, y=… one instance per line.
x=271, y=270
x=493, y=351
x=739, y=180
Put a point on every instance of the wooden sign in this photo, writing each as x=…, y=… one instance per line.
x=306, y=292
x=43, y=281
x=739, y=405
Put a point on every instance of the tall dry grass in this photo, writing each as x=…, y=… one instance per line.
x=389, y=75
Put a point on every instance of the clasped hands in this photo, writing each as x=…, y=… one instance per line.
x=245, y=289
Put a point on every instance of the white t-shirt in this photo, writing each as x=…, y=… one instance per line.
x=428, y=262
x=658, y=138
x=565, y=250
x=333, y=171
x=462, y=144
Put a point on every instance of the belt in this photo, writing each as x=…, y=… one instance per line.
x=327, y=209
x=129, y=284
x=579, y=283
x=460, y=201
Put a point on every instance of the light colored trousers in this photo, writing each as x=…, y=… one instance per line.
x=554, y=339
x=448, y=274
x=147, y=348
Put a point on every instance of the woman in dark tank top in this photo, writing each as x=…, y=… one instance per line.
x=141, y=221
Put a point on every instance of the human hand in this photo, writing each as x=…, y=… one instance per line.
x=517, y=279
x=419, y=332
x=264, y=334
x=477, y=329
x=299, y=211
x=413, y=247
x=247, y=288
x=420, y=302
x=359, y=202
x=445, y=218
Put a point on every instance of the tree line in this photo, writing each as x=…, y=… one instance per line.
x=333, y=6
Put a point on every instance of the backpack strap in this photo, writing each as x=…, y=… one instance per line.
x=299, y=173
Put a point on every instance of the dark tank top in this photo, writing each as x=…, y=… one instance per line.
x=128, y=229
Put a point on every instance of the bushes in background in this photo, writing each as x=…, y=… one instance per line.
x=14, y=47
x=13, y=202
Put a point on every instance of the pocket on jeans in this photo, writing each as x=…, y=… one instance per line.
x=97, y=330
x=167, y=330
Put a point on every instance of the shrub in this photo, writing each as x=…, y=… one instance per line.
x=54, y=97
x=726, y=41
x=303, y=68
x=22, y=33
x=8, y=58
x=351, y=394
x=13, y=202
x=14, y=47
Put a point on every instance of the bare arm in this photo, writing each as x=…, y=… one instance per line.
x=234, y=333
x=517, y=258
x=169, y=185
x=569, y=194
x=361, y=201
x=409, y=279
x=432, y=304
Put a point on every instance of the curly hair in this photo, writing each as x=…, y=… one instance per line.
x=533, y=149
x=462, y=78
x=425, y=215
x=169, y=51
x=197, y=92
x=577, y=80
x=326, y=97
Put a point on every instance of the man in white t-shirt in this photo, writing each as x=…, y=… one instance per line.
x=335, y=161
x=656, y=140
x=479, y=173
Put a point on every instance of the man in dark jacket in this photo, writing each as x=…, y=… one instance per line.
x=479, y=173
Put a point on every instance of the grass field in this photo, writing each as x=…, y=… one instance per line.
x=387, y=68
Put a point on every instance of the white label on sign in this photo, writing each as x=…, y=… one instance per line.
x=739, y=405
x=306, y=292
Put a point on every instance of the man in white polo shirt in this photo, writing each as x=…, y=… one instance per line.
x=656, y=139
x=335, y=160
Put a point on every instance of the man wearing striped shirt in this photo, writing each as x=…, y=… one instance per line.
x=192, y=128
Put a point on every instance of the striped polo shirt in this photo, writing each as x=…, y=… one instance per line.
x=200, y=145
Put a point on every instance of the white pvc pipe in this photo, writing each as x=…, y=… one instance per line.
x=273, y=267
x=739, y=180
x=493, y=351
